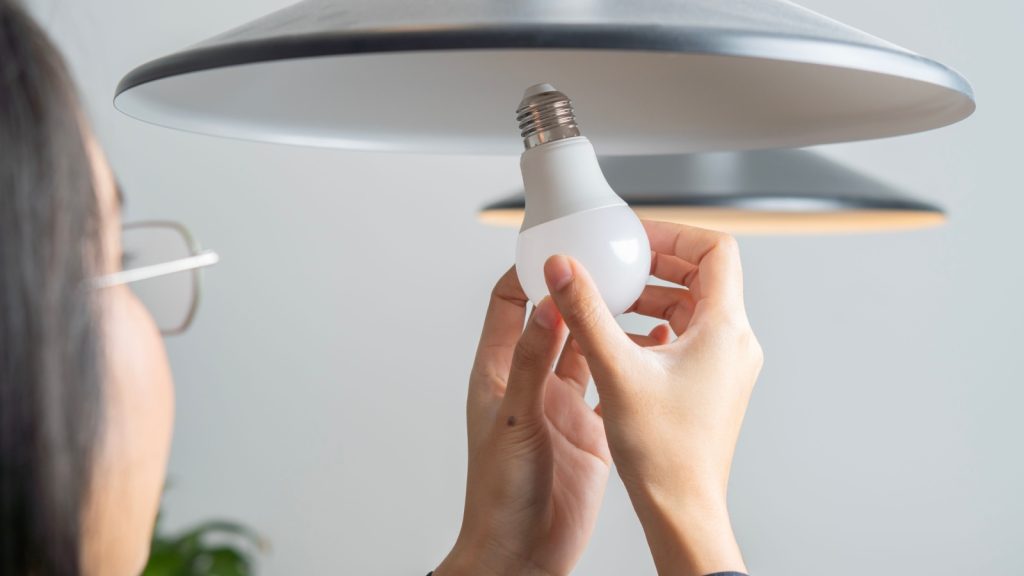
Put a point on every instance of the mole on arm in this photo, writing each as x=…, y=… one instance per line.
x=511, y=421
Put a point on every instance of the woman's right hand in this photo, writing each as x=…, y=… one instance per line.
x=672, y=413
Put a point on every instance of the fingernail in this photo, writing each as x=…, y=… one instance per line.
x=546, y=314
x=558, y=272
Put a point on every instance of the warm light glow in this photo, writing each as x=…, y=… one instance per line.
x=736, y=221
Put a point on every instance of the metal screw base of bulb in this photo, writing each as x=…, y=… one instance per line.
x=545, y=115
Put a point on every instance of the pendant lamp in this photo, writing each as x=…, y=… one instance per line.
x=751, y=192
x=648, y=76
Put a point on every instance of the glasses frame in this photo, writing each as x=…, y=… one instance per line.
x=197, y=259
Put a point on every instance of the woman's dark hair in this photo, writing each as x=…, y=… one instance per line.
x=50, y=385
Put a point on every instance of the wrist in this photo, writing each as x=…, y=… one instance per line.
x=688, y=529
x=467, y=559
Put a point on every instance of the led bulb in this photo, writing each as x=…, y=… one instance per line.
x=571, y=209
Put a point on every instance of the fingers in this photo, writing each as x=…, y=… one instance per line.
x=531, y=363
x=718, y=275
x=600, y=338
x=671, y=268
x=502, y=327
x=572, y=367
x=666, y=303
x=660, y=334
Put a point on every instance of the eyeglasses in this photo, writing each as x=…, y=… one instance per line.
x=162, y=263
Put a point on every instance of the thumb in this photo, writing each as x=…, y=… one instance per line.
x=532, y=361
x=601, y=340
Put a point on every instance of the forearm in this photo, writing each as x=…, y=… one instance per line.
x=689, y=534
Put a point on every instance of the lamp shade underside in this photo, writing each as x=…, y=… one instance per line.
x=647, y=77
x=753, y=192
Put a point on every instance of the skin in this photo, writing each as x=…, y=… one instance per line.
x=670, y=414
x=538, y=454
x=138, y=412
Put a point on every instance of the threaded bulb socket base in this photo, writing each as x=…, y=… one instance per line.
x=545, y=115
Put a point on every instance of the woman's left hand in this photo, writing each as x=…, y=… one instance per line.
x=538, y=456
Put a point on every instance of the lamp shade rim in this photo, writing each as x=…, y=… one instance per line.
x=647, y=77
x=759, y=201
x=607, y=37
x=761, y=223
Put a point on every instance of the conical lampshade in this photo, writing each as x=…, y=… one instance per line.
x=647, y=76
x=752, y=192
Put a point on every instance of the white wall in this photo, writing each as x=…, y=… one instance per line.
x=320, y=392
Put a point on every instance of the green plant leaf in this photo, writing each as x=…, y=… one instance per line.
x=191, y=553
x=222, y=527
x=165, y=562
x=221, y=561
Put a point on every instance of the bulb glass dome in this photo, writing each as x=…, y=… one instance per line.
x=609, y=242
x=571, y=209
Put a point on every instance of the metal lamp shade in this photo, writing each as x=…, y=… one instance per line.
x=753, y=192
x=647, y=76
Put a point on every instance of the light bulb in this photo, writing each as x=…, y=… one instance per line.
x=571, y=209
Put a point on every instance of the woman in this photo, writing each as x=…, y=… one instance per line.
x=86, y=398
